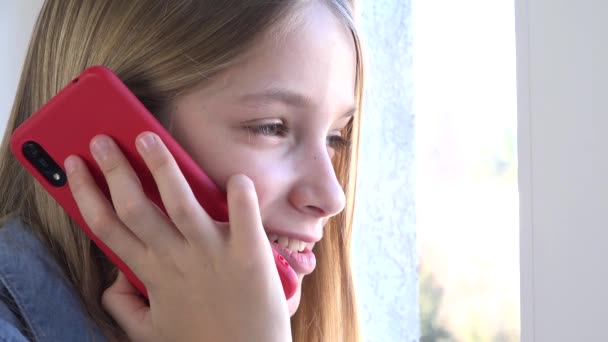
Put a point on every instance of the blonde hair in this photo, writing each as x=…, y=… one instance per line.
x=160, y=49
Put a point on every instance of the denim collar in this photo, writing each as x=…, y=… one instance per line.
x=44, y=300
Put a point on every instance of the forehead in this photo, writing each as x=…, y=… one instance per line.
x=316, y=58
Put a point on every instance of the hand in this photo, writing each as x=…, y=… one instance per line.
x=205, y=281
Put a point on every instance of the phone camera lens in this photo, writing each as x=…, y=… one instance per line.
x=43, y=164
x=31, y=150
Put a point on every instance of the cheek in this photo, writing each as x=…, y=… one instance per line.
x=271, y=181
x=221, y=155
x=220, y=162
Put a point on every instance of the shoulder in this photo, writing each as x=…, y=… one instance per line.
x=35, y=296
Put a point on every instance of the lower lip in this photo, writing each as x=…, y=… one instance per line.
x=302, y=262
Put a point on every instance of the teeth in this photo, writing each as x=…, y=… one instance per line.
x=292, y=244
x=283, y=241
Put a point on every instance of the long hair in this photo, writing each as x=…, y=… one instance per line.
x=162, y=48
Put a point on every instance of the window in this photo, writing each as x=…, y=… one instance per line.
x=466, y=169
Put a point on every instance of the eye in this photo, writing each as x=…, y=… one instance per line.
x=271, y=129
x=337, y=142
x=279, y=129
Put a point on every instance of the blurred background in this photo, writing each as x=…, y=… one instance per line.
x=16, y=23
x=466, y=169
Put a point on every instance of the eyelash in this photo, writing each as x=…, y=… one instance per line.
x=336, y=142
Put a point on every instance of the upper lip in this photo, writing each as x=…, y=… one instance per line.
x=308, y=238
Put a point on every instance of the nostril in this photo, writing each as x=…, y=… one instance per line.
x=316, y=210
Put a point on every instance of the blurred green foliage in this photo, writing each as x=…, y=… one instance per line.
x=431, y=295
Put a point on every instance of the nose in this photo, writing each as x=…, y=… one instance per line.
x=317, y=191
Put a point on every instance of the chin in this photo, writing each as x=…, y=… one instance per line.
x=294, y=302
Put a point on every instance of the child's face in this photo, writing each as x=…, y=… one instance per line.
x=275, y=117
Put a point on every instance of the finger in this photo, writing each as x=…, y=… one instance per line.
x=178, y=199
x=244, y=214
x=124, y=303
x=98, y=213
x=133, y=207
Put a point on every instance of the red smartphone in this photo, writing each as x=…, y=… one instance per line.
x=97, y=102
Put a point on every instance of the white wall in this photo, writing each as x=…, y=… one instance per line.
x=563, y=142
x=16, y=23
x=384, y=239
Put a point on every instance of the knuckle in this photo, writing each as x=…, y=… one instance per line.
x=100, y=224
x=131, y=211
x=110, y=165
x=159, y=162
x=77, y=182
x=182, y=211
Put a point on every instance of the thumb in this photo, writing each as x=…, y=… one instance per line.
x=124, y=303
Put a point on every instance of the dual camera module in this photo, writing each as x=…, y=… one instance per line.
x=47, y=167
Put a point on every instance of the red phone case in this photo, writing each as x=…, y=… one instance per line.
x=97, y=102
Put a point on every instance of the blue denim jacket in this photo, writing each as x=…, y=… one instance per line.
x=37, y=302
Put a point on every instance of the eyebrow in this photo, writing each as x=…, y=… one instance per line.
x=287, y=97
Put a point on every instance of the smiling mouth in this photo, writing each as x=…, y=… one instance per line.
x=292, y=244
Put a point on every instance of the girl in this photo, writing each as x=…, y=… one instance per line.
x=265, y=96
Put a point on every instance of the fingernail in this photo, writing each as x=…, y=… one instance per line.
x=147, y=142
x=100, y=148
x=70, y=165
